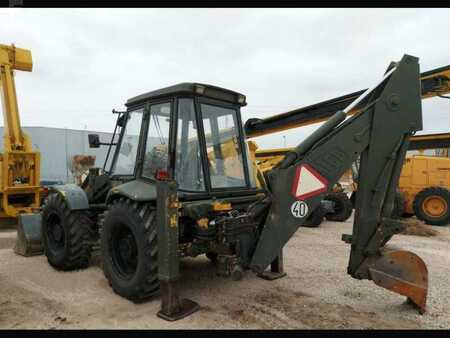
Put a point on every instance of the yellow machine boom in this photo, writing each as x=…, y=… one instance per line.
x=20, y=165
x=435, y=82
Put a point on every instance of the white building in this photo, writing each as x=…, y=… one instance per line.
x=57, y=147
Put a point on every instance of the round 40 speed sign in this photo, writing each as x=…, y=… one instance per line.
x=299, y=209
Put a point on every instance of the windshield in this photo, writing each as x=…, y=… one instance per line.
x=126, y=157
x=223, y=146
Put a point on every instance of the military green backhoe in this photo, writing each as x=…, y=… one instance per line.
x=168, y=191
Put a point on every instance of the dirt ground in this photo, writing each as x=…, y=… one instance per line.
x=317, y=293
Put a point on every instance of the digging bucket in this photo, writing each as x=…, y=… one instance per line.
x=29, y=235
x=402, y=272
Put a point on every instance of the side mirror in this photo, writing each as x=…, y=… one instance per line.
x=121, y=121
x=94, y=141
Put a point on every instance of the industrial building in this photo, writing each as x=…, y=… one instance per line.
x=58, y=146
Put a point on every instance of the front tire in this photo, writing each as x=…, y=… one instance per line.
x=432, y=205
x=130, y=249
x=67, y=235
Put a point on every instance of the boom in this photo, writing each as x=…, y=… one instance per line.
x=434, y=83
x=20, y=165
x=387, y=117
x=20, y=59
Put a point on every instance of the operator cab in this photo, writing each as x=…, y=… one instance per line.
x=192, y=132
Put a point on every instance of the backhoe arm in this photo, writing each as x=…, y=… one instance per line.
x=379, y=133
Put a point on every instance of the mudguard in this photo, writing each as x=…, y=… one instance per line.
x=73, y=195
x=137, y=190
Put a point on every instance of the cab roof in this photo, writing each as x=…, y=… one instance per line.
x=199, y=89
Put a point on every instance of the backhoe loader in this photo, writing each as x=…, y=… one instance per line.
x=168, y=193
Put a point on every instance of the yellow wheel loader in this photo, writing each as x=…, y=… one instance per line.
x=425, y=180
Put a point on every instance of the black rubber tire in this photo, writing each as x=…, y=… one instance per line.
x=212, y=256
x=343, y=207
x=422, y=215
x=76, y=235
x=353, y=199
x=399, y=205
x=315, y=219
x=139, y=220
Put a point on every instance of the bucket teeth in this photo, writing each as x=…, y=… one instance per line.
x=402, y=272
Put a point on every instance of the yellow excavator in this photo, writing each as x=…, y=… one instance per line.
x=19, y=163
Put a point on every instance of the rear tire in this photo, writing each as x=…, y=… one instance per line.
x=343, y=207
x=432, y=205
x=68, y=235
x=212, y=256
x=129, y=249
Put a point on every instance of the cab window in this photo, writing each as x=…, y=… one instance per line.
x=157, y=142
x=224, y=151
x=188, y=166
x=126, y=157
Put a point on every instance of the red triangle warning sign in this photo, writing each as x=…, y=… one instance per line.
x=308, y=182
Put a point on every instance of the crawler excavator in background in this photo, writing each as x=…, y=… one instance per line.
x=168, y=193
x=19, y=164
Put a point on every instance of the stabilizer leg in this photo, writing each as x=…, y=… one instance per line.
x=276, y=269
x=172, y=308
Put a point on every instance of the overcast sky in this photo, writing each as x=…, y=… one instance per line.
x=87, y=62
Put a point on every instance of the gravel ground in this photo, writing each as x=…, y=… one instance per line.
x=317, y=292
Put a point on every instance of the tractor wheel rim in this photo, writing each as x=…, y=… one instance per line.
x=124, y=251
x=55, y=232
x=435, y=206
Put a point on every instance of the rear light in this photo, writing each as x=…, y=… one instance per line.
x=162, y=175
